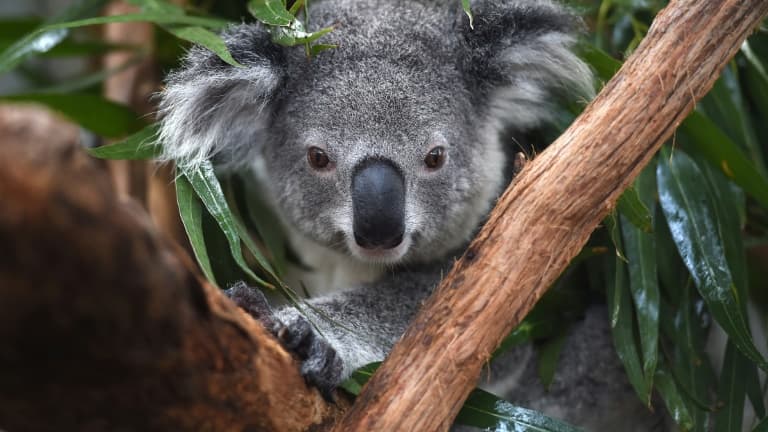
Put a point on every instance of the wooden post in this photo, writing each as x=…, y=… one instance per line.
x=543, y=220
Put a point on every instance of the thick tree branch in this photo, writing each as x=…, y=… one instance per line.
x=102, y=324
x=544, y=219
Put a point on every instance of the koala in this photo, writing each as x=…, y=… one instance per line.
x=382, y=157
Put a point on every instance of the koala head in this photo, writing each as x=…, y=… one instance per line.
x=387, y=147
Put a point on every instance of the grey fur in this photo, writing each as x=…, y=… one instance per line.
x=406, y=76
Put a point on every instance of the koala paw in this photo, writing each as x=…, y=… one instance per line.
x=321, y=365
x=253, y=301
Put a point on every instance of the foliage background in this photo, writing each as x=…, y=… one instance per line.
x=686, y=250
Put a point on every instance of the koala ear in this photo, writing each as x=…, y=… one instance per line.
x=212, y=109
x=519, y=57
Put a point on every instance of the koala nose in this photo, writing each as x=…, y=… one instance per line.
x=378, y=204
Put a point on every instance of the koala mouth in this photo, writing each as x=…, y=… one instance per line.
x=379, y=255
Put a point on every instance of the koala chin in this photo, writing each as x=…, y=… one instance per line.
x=382, y=157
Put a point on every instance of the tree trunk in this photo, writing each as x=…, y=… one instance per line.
x=104, y=324
x=544, y=219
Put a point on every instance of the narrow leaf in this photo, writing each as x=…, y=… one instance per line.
x=207, y=187
x=141, y=145
x=92, y=112
x=691, y=218
x=640, y=250
x=272, y=12
x=465, y=4
x=709, y=141
x=622, y=327
x=190, y=210
x=673, y=399
x=44, y=38
x=632, y=208
x=206, y=38
x=484, y=410
x=732, y=391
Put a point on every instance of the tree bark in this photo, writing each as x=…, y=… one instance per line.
x=544, y=219
x=103, y=324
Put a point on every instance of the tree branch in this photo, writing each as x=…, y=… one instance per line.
x=103, y=326
x=543, y=220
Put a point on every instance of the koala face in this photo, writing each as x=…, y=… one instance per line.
x=387, y=147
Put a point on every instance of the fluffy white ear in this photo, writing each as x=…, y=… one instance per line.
x=520, y=57
x=210, y=109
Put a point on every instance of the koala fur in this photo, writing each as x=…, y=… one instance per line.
x=407, y=77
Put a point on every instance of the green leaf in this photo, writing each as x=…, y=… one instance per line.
x=206, y=38
x=139, y=146
x=640, y=250
x=468, y=10
x=762, y=426
x=730, y=210
x=710, y=142
x=207, y=187
x=295, y=34
x=481, y=409
x=190, y=210
x=266, y=225
x=622, y=330
x=549, y=353
x=673, y=399
x=151, y=17
x=272, y=12
x=732, y=391
x=44, y=38
x=90, y=111
x=690, y=363
x=484, y=410
x=318, y=48
x=632, y=208
x=691, y=218
x=605, y=65
x=725, y=105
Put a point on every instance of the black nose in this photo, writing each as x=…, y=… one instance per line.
x=378, y=204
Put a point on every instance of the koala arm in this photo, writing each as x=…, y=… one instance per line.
x=336, y=334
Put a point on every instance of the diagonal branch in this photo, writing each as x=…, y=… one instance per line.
x=547, y=215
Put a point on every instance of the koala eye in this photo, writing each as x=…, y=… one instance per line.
x=435, y=158
x=317, y=158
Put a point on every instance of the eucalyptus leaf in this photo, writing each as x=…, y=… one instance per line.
x=272, y=12
x=632, y=208
x=190, y=210
x=672, y=397
x=206, y=38
x=640, y=250
x=43, y=39
x=139, y=146
x=732, y=391
x=465, y=4
x=622, y=326
x=207, y=187
x=691, y=218
x=92, y=112
x=484, y=410
x=710, y=142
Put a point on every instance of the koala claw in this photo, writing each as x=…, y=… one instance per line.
x=253, y=301
x=321, y=365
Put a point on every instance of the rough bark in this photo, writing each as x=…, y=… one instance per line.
x=546, y=216
x=103, y=326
